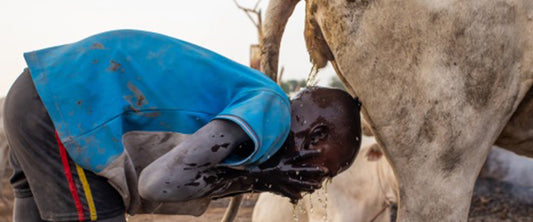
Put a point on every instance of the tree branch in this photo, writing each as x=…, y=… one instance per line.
x=258, y=22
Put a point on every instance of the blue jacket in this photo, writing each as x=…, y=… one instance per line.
x=99, y=88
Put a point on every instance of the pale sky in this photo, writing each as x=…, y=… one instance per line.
x=218, y=25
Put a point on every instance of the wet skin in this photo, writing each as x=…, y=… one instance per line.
x=326, y=120
x=324, y=140
x=179, y=174
x=190, y=170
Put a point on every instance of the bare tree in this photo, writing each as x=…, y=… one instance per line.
x=251, y=13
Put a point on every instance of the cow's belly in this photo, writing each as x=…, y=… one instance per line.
x=517, y=136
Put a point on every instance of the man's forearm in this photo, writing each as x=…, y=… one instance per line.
x=186, y=171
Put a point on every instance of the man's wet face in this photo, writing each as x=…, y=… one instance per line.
x=327, y=120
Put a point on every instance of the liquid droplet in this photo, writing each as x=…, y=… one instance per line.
x=295, y=212
x=311, y=210
x=326, y=199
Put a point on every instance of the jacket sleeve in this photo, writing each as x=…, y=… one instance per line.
x=265, y=116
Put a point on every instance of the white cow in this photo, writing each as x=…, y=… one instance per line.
x=363, y=192
x=440, y=81
x=506, y=166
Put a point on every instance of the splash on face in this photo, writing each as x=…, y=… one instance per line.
x=328, y=120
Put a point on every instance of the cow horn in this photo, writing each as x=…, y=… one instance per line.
x=277, y=15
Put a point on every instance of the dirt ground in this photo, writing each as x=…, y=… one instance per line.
x=493, y=201
x=214, y=213
x=497, y=201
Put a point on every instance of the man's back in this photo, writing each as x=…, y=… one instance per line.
x=121, y=81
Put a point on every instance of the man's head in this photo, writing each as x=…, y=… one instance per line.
x=328, y=120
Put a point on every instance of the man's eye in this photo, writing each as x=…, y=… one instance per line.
x=318, y=133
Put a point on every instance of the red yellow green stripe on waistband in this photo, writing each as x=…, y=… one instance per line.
x=72, y=185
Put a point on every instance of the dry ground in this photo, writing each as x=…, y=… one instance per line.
x=497, y=201
x=214, y=213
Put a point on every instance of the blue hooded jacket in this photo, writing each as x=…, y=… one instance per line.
x=99, y=88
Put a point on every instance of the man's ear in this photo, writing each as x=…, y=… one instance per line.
x=374, y=153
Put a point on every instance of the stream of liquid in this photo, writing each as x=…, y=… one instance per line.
x=312, y=79
x=321, y=196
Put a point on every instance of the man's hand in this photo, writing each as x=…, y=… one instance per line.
x=290, y=176
x=286, y=175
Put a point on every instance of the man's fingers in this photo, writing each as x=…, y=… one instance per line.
x=307, y=171
x=303, y=185
x=303, y=155
x=291, y=194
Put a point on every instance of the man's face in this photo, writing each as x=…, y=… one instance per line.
x=326, y=120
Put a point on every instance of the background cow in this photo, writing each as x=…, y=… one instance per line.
x=364, y=192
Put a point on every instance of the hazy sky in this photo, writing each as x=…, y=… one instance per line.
x=218, y=25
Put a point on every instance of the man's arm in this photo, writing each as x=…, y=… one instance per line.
x=186, y=171
x=189, y=171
